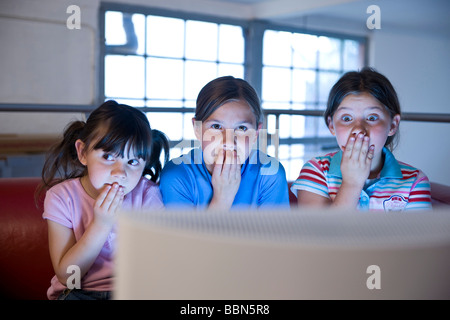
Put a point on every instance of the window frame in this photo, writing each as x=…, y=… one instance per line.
x=253, y=32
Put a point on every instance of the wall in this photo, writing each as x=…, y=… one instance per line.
x=419, y=68
x=42, y=61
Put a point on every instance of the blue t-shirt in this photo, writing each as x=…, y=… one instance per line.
x=185, y=182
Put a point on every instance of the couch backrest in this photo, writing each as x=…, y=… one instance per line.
x=25, y=265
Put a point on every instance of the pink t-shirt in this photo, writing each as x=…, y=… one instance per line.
x=69, y=205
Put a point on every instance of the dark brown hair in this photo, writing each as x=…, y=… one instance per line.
x=368, y=80
x=225, y=89
x=112, y=127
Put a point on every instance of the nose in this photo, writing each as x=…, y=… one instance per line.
x=228, y=139
x=358, y=128
x=118, y=170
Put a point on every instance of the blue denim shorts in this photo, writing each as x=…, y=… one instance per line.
x=79, y=294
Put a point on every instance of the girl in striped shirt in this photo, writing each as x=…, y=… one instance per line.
x=363, y=113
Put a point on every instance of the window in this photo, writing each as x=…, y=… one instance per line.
x=163, y=62
x=297, y=74
x=159, y=61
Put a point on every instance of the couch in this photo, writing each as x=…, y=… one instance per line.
x=25, y=267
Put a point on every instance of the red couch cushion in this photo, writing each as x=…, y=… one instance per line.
x=25, y=265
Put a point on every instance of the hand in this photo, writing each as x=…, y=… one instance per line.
x=107, y=203
x=226, y=178
x=357, y=160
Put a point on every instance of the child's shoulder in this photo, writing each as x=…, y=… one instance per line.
x=66, y=186
x=409, y=171
x=321, y=162
x=146, y=183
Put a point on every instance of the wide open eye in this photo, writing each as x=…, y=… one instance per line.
x=216, y=126
x=346, y=118
x=373, y=117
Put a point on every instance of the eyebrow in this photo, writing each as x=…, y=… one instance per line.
x=348, y=108
x=219, y=121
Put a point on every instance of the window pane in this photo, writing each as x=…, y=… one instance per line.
x=165, y=37
x=163, y=103
x=285, y=126
x=169, y=123
x=276, y=105
x=201, y=40
x=299, y=106
x=139, y=29
x=304, y=47
x=188, y=129
x=330, y=53
x=114, y=32
x=276, y=84
x=303, y=85
x=231, y=44
x=296, y=164
x=271, y=124
x=124, y=76
x=277, y=49
x=311, y=126
x=326, y=81
x=130, y=102
x=164, y=78
x=198, y=74
x=352, y=59
x=322, y=129
x=191, y=103
x=298, y=126
x=227, y=69
x=283, y=152
x=271, y=151
x=297, y=151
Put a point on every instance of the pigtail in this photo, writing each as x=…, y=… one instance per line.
x=61, y=162
x=160, y=143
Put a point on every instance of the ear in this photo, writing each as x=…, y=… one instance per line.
x=79, y=145
x=255, y=137
x=258, y=128
x=394, y=124
x=197, y=129
x=331, y=126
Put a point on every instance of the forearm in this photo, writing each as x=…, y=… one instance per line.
x=84, y=252
x=347, y=196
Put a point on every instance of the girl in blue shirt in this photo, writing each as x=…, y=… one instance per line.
x=227, y=171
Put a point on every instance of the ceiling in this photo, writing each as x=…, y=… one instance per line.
x=417, y=15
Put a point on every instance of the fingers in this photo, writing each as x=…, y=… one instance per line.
x=364, y=148
x=110, y=197
x=218, y=164
x=227, y=165
x=349, y=146
x=370, y=153
x=358, y=148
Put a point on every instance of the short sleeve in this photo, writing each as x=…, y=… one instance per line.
x=56, y=209
x=152, y=197
x=274, y=190
x=420, y=194
x=174, y=186
x=312, y=179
